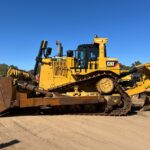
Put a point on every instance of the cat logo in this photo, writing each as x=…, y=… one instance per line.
x=111, y=63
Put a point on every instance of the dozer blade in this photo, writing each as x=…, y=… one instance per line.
x=6, y=93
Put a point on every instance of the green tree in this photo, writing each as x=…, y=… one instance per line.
x=135, y=64
x=3, y=69
x=124, y=67
x=12, y=66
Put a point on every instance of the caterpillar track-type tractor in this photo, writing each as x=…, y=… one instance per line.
x=83, y=80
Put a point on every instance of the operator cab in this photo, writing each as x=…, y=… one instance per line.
x=86, y=53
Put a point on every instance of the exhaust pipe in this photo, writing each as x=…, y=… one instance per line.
x=59, y=48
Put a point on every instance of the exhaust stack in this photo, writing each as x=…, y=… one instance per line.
x=59, y=48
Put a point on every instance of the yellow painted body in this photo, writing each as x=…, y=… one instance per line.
x=144, y=84
x=16, y=73
x=60, y=70
x=126, y=78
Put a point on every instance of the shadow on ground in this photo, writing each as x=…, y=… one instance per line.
x=38, y=111
x=10, y=143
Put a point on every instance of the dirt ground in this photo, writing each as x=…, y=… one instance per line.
x=75, y=132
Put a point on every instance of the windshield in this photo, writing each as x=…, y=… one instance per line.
x=93, y=54
x=86, y=53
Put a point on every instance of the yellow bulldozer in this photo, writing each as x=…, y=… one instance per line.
x=83, y=80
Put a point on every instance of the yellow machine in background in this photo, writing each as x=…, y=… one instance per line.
x=140, y=92
x=14, y=72
x=143, y=85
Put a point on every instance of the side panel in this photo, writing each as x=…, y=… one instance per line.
x=54, y=73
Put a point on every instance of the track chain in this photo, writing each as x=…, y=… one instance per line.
x=110, y=110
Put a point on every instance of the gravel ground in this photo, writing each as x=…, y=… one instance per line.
x=75, y=132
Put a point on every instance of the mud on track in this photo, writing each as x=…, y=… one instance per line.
x=75, y=132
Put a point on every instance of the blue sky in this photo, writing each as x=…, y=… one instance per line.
x=24, y=23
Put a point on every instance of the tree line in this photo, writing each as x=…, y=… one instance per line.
x=124, y=67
